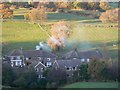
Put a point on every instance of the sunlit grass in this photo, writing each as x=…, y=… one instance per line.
x=93, y=85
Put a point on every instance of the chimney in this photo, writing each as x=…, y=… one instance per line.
x=41, y=48
x=21, y=49
x=75, y=49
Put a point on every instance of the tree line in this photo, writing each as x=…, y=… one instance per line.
x=38, y=14
x=96, y=70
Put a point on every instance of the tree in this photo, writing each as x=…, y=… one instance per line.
x=37, y=15
x=81, y=5
x=104, y=5
x=63, y=5
x=25, y=78
x=51, y=6
x=95, y=69
x=5, y=11
x=60, y=31
x=110, y=16
x=57, y=76
x=42, y=83
x=7, y=74
x=113, y=70
x=94, y=5
x=76, y=76
x=83, y=73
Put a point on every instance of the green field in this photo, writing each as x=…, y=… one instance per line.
x=93, y=85
x=85, y=35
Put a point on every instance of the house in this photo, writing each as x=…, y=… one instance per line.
x=41, y=60
x=74, y=54
x=83, y=55
x=46, y=58
x=16, y=58
x=39, y=68
x=22, y=58
x=69, y=65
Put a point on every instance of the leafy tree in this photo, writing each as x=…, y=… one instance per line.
x=63, y=4
x=5, y=11
x=94, y=5
x=37, y=15
x=41, y=83
x=81, y=5
x=96, y=69
x=110, y=16
x=104, y=5
x=113, y=70
x=83, y=73
x=51, y=6
x=57, y=76
x=7, y=74
x=76, y=76
x=60, y=32
x=25, y=78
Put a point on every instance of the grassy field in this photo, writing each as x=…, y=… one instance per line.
x=19, y=33
x=52, y=16
x=93, y=85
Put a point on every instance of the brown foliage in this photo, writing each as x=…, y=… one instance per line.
x=5, y=11
x=95, y=67
x=37, y=15
x=59, y=34
x=63, y=4
x=104, y=5
x=110, y=16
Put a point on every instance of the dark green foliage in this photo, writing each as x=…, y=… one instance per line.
x=87, y=5
x=97, y=70
x=83, y=72
x=7, y=74
x=75, y=76
x=82, y=5
x=41, y=83
x=93, y=6
x=113, y=71
x=58, y=76
x=25, y=78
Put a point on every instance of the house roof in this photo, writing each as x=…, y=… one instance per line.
x=68, y=63
x=38, y=53
x=39, y=64
x=17, y=52
x=72, y=54
x=91, y=54
x=83, y=54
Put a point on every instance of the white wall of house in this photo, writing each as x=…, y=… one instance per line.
x=49, y=64
x=16, y=61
